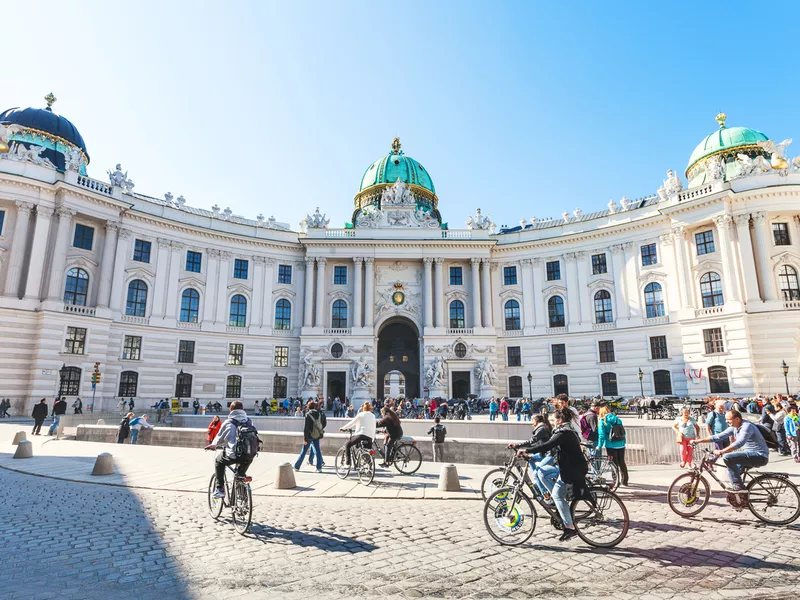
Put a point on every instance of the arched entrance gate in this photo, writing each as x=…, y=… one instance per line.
x=398, y=356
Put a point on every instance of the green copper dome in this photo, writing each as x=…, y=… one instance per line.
x=396, y=165
x=725, y=140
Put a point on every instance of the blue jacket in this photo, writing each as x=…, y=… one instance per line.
x=791, y=426
x=604, y=432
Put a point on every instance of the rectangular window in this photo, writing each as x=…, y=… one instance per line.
x=186, y=351
x=84, y=237
x=606, y=351
x=285, y=274
x=704, y=242
x=2, y=220
x=599, y=264
x=235, y=354
x=141, y=251
x=713, y=341
x=240, y=268
x=514, y=356
x=76, y=340
x=559, y=352
x=132, y=348
x=658, y=347
x=339, y=275
x=281, y=356
x=780, y=231
x=194, y=261
x=456, y=276
x=510, y=275
x=553, y=270
x=649, y=255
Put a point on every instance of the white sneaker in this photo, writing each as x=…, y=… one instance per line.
x=219, y=494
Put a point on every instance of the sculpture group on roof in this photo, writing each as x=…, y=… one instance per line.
x=120, y=179
x=478, y=221
x=316, y=221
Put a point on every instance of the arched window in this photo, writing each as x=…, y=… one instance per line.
x=515, y=386
x=190, y=306
x=457, y=315
x=787, y=277
x=711, y=290
x=183, y=385
x=608, y=382
x=602, y=307
x=560, y=385
x=233, y=387
x=279, y=387
x=555, y=310
x=238, y=317
x=76, y=288
x=283, y=314
x=128, y=383
x=70, y=381
x=653, y=300
x=718, y=380
x=137, y=299
x=512, y=315
x=339, y=315
x=662, y=382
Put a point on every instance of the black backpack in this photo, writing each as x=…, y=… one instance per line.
x=769, y=436
x=247, y=442
x=438, y=434
x=125, y=427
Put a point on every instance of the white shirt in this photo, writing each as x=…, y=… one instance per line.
x=363, y=423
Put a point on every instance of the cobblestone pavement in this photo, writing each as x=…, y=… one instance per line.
x=65, y=540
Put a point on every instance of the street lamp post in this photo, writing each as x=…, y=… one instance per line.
x=530, y=387
x=60, y=383
x=785, y=369
x=641, y=384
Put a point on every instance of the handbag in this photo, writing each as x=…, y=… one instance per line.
x=617, y=432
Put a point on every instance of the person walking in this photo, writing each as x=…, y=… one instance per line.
x=687, y=430
x=313, y=431
x=4, y=406
x=213, y=428
x=196, y=406
x=504, y=408
x=264, y=407
x=59, y=410
x=122, y=405
x=124, y=428
x=791, y=426
x=136, y=425
x=130, y=405
x=518, y=409
x=77, y=407
x=611, y=436
x=588, y=424
x=438, y=434
x=493, y=408
x=716, y=423
x=526, y=410
x=777, y=426
x=39, y=414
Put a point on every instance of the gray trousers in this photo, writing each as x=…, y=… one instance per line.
x=438, y=447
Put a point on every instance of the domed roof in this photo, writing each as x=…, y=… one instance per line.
x=46, y=121
x=726, y=140
x=387, y=170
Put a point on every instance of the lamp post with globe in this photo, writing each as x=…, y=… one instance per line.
x=641, y=383
x=530, y=387
x=785, y=369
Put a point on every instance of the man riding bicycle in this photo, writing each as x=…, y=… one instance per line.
x=228, y=435
x=749, y=449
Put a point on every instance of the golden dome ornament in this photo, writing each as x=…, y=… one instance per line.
x=4, y=147
x=779, y=163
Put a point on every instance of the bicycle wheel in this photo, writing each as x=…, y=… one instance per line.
x=604, y=471
x=365, y=467
x=603, y=523
x=340, y=463
x=773, y=499
x=242, y=508
x=509, y=516
x=496, y=479
x=407, y=459
x=214, y=504
x=688, y=494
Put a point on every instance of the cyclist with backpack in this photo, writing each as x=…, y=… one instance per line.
x=313, y=432
x=394, y=432
x=241, y=444
x=611, y=436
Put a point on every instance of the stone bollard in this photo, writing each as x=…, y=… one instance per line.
x=24, y=450
x=101, y=421
x=19, y=437
x=448, y=479
x=284, y=478
x=104, y=465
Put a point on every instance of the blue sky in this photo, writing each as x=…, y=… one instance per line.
x=520, y=108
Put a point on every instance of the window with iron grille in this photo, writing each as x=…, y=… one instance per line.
x=233, y=387
x=240, y=268
x=718, y=380
x=340, y=275
x=76, y=340
x=186, y=351
x=649, y=255
x=780, y=231
x=70, y=382
x=553, y=270
x=141, y=251
x=704, y=241
x=515, y=386
x=608, y=382
x=599, y=264
x=84, y=237
x=235, y=354
x=559, y=353
x=606, y=351
x=132, y=347
x=514, y=356
x=279, y=387
x=194, y=261
x=510, y=275
x=285, y=274
x=128, y=383
x=281, y=357
x=662, y=382
x=713, y=340
x=183, y=385
x=658, y=347
x=456, y=276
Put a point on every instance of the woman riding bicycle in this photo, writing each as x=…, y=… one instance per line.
x=364, y=425
x=394, y=431
x=545, y=470
x=572, y=467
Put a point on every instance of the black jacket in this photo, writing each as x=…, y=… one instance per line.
x=309, y=423
x=540, y=435
x=395, y=430
x=571, y=461
x=39, y=411
x=60, y=407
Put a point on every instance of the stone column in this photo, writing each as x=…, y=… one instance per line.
x=212, y=264
x=749, y=273
x=173, y=302
x=41, y=232
x=670, y=289
x=118, y=274
x=573, y=296
x=308, y=294
x=358, y=290
x=369, y=293
x=427, y=292
x=538, y=299
x=730, y=282
x=439, y=292
x=486, y=292
x=476, y=291
x=633, y=304
x=526, y=276
x=56, y=291
x=268, y=313
x=684, y=275
x=162, y=274
x=583, y=285
x=18, y=248
x=321, y=292
x=223, y=272
x=764, y=245
x=257, y=310
x=618, y=267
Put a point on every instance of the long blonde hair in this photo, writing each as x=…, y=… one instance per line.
x=366, y=407
x=603, y=411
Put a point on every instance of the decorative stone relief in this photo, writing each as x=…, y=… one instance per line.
x=397, y=195
x=22, y=153
x=715, y=169
x=360, y=372
x=315, y=221
x=672, y=184
x=74, y=160
x=436, y=373
x=612, y=206
x=310, y=375
x=777, y=153
x=486, y=374
x=120, y=179
x=478, y=221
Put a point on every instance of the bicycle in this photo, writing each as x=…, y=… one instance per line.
x=363, y=461
x=689, y=493
x=602, y=469
x=238, y=497
x=407, y=458
x=509, y=515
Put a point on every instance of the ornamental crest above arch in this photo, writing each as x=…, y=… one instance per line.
x=601, y=283
x=554, y=290
x=239, y=288
x=140, y=273
x=707, y=265
x=510, y=295
x=283, y=293
x=654, y=277
x=82, y=262
x=456, y=295
x=786, y=258
x=339, y=295
x=191, y=282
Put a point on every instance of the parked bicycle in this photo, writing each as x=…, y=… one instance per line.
x=362, y=461
x=238, y=497
x=406, y=458
x=771, y=497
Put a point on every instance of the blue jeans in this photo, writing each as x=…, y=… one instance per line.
x=735, y=461
x=783, y=446
x=527, y=417
x=310, y=444
x=54, y=426
x=505, y=416
x=560, y=498
x=492, y=416
x=312, y=453
x=519, y=416
x=545, y=475
x=134, y=435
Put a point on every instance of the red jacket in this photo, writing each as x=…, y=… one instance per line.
x=213, y=429
x=503, y=406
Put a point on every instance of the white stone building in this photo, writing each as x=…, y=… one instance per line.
x=696, y=288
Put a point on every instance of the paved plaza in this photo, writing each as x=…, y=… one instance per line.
x=73, y=539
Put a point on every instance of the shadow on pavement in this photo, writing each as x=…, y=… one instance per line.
x=315, y=538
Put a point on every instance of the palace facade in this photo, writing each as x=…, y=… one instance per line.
x=689, y=291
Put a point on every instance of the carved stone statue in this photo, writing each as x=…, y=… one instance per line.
x=120, y=179
x=397, y=218
x=33, y=154
x=479, y=221
x=181, y=201
x=565, y=216
x=360, y=372
x=715, y=169
x=227, y=212
x=168, y=197
x=317, y=220
x=796, y=163
x=578, y=213
x=74, y=160
x=777, y=153
x=625, y=203
x=436, y=374
x=612, y=207
x=311, y=376
x=6, y=131
x=398, y=194
x=486, y=373
x=672, y=184
x=369, y=219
